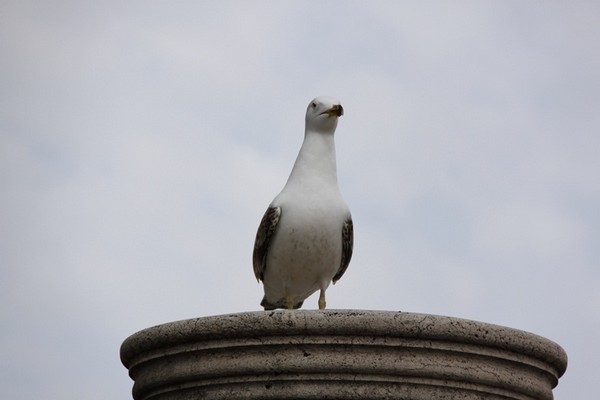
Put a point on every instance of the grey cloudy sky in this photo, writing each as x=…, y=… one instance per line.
x=140, y=143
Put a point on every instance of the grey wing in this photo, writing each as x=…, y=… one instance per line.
x=265, y=232
x=347, y=246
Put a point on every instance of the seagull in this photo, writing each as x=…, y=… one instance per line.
x=305, y=238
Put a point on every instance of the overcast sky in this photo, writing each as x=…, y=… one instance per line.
x=141, y=142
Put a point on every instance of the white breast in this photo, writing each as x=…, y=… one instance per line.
x=307, y=248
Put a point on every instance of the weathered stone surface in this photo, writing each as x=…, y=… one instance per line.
x=340, y=354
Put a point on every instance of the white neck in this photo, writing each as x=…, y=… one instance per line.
x=316, y=160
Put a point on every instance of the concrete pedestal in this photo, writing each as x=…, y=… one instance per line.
x=340, y=354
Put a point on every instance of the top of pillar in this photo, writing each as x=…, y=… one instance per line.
x=387, y=324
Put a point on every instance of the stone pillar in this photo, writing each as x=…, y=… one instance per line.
x=340, y=354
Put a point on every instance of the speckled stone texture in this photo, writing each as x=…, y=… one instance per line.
x=340, y=354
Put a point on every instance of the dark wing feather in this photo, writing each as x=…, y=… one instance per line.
x=347, y=246
x=265, y=232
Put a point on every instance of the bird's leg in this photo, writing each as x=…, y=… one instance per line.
x=289, y=301
x=322, y=300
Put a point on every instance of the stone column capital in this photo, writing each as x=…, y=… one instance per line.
x=340, y=354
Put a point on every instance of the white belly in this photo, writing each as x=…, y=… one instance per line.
x=305, y=253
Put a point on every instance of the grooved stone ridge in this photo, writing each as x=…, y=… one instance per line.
x=340, y=354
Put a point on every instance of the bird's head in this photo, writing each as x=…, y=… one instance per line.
x=322, y=114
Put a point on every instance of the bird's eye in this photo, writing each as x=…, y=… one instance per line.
x=313, y=104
